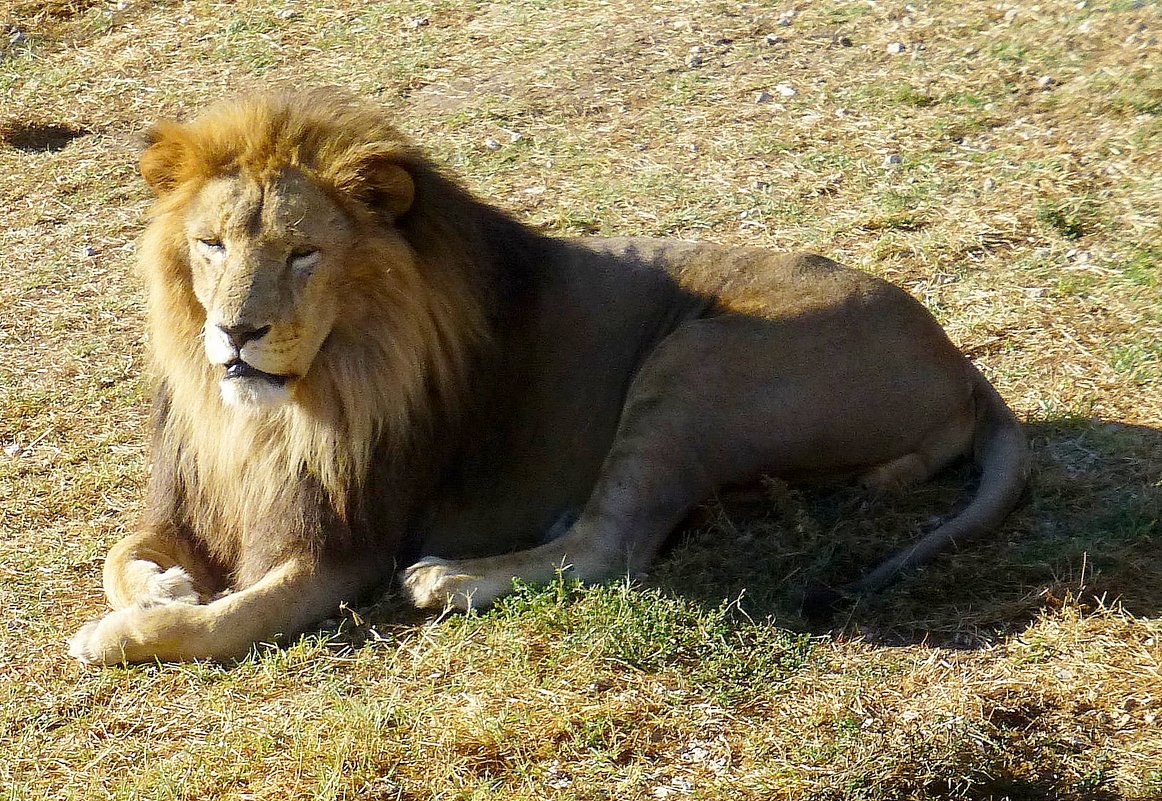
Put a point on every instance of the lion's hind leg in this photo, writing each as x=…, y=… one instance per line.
x=943, y=445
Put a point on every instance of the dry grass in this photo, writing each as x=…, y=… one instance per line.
x=1023, y=212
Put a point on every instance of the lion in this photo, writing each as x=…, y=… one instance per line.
x=360, y=365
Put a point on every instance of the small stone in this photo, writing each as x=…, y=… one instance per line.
x=775, y=39
x=763, y=97
x=896, y=48
x=88, y=251
x=286, y=13
x=786, y=90
x=694, y=60
x=491, y=144
x=989, y=184
x=762, y=186
x=1046, y=82
x=892, y=158
x=1010, y=15
x=13, y=450
x=416, y=23
x=843, y=41
x=16, y=36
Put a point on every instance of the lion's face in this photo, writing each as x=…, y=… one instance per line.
x=266, y=258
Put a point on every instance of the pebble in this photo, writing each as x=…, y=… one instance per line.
x=16, y=36
x=491, y=144
x=1046, y=81
x=786, y=90
x=892, y=158
x=13, y=450
x=989, y=184
x=1010, y=15
x=896, y=48
x=843, y=41
x=763, y=97
x=774, y=39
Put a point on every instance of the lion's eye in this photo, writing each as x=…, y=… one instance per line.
x=303, y=258
x=212, y=245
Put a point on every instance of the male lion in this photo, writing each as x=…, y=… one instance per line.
x=360, y=362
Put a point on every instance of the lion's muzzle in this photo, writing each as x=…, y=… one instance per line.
x=243, y=384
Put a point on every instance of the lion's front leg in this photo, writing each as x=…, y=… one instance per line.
x=153, y=567
x=286, y=601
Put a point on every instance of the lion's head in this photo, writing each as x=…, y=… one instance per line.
x=273, y=207
x=305, y=296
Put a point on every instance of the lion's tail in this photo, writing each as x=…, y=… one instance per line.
x=1001, y=453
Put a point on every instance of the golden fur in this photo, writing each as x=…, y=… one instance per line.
x=359, y=362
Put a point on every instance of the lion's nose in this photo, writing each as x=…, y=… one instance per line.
x=239, y=335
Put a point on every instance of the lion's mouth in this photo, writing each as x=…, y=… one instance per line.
x=240, y=369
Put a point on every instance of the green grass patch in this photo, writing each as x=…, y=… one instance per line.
x=718, y=649
x=1070, y=220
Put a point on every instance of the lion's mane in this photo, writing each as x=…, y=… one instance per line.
x=390, y=380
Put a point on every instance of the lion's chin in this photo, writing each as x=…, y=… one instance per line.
x=254, y=393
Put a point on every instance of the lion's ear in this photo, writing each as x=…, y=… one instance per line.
x=380, y=182
x=162, y=158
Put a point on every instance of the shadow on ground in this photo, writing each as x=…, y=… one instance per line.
x=1085, y=533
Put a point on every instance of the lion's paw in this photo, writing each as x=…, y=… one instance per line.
x=173, y=586
x=434, y=583
x=101, y=642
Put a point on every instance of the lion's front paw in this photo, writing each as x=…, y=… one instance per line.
x=104, y=641
x=174, y=586
x=434, y=583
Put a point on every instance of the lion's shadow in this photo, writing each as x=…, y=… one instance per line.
x=1085, y=533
